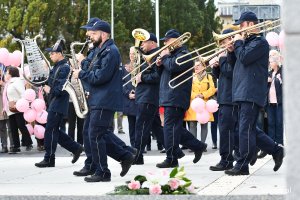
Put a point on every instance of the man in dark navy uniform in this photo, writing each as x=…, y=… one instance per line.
x=104, y=77
x=249, y=90
x=58, y=108
x=228, y=115
x=146, y=97
x=176, y=102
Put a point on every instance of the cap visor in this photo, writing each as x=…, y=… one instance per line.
x=84, y=27
x=237, y=23
x=164, y=38
x=48, y=49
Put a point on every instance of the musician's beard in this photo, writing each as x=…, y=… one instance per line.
x=97, y=42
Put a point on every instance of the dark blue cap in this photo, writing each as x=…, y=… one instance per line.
x=172, y=33
x=57, y=47
x=152, y=38
x=229, y=30
x=90, y=22
x=100, y=26
x=247, y=16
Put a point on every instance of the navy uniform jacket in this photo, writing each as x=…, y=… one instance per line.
x=129, y=105
x=58, y=99
x=180, y=96
x=224, y=73
x=104, y=77
x=278, y=85
x=147, y=91
x=250, y=74
x=85, y=65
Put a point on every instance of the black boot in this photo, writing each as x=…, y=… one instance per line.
x=96, y=178
x=126, y=164
x=167, y=164
x=220, y=167
x=198, y=154
x=76, y=154
x=83, y=172
x=278, y=158
x=44, y=163
x=236, y=172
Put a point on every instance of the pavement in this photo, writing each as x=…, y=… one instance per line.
x=20, y=179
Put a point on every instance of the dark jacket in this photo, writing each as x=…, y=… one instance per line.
x=250, y=74
x=180, y=96
x=104, y=77
x=85, y=64
x=224, y=73
x=58, y=100
x=129, y=105
x=147, y=91
x=278, y=85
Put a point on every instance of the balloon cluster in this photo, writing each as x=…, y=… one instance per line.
x=203, y=109
x=10, y=59
x=276, y=40
x=34, y=110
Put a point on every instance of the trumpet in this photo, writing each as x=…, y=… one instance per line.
x=172, y=46
x=203, y=60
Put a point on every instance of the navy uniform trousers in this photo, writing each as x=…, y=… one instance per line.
x=115, y=153
x=144, y=119
x=175, y=134
x=251, y=136
x=54, y=135
x=228, y=120
x=157, y=130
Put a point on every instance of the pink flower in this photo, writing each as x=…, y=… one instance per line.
x=174, y=183
x=191, y=189
x=134, y=185
x=155, y=189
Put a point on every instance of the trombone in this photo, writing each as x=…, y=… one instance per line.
x=202, y=60
x=172, y=46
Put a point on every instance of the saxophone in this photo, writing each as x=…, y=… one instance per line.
x=74, y=86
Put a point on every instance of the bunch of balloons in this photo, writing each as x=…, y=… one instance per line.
x=203, y=109
x=34, y=110
x=276, y=40
x=10, y=59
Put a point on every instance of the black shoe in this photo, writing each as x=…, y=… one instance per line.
x=278, y=158
x=163, y=151
x=220, y=167
x=83, y=172
x=76, y=154
x=96, y=178
x=198, y=154
x=236, y=172
x=14, y=150
x=214, y=146
x=254, y=157
x=180, y=154
x=126, y=164
x=4, y=150
x=29, y=147
x=45, y=163
x=262, y=154
x=160, y=147
x=166, y=164
x=139, y=161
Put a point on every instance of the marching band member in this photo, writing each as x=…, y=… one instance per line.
x=175, y=102
x=249, y=89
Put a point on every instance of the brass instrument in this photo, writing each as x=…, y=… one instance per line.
x=74, y=86
x=202, y=60
x=172, y=46
x=39, y=66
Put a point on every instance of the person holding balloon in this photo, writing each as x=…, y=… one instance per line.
x=58, y=108
x=13, y=90
x=202, y=87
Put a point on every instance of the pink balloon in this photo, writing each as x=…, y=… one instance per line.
x=41, y=117
x=198, y=105
x=39, y=131
x=38, y=105
x=8, y=61
x=272, y=38
x=281, y=39
x=212, y=106
x=30, y=129
x=22, y=105
x=16, y=58
x=203, y=117
x=30, y=115
x=3, y=55
x=29, y=95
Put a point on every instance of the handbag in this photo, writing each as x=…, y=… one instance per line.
x=12, y=106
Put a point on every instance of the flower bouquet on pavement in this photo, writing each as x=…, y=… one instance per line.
x=157, y=183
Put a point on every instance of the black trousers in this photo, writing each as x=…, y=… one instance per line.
x=73, y=122
x=16, y=122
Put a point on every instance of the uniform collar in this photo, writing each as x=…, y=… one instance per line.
x=63, y=61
